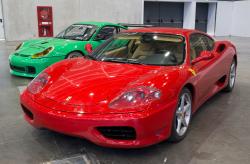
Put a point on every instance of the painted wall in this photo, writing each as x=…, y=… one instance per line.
x=2, y=36
x=189, y=15
x=21, y=18
x=240, y=19
x=224, y=18
x=211, y=20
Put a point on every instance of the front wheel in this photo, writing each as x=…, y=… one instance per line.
x=231, y=77
x=182, y=116
x=74, y=55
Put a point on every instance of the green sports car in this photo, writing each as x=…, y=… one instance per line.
x=33, y=56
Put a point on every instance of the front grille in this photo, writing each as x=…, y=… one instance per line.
x=28, y=69
x=31, y=69
x=27, y=112
x=118, y=132
x=17, y=68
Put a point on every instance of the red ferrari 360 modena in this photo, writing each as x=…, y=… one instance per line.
x=137, y=89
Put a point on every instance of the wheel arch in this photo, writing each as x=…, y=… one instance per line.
x=191, y=88
x=235, y=58
x=74, y=51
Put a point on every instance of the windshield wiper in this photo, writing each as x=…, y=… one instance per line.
x=118, y=60
x=135, y=61
x=122, y=60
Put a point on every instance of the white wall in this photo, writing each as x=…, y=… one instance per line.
x=2, y=36
x=19, y=19
x=21, y=16
x=224, y=18
x=189, y=15
x=233, y=18
x=241, y=19
x=211, y=20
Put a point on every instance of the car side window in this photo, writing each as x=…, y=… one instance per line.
x=107, y=32
x=197, y=45
x=209, y=42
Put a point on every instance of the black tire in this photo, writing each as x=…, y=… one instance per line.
x=230, y=84
x=74, y=54
x=175, y=136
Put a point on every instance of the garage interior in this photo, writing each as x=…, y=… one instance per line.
x=164, y=14
x=219, y=131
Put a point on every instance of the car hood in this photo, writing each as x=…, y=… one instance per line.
x=38, y=45
x=94, y=83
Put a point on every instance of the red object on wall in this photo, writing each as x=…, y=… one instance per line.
x=45, y=21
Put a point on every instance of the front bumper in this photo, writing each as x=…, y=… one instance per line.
x=28, y=67
x=150, y=128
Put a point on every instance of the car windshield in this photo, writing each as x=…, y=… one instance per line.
x=143, y=48
x=77, y=32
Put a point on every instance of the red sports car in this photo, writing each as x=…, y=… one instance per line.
x=137, y=89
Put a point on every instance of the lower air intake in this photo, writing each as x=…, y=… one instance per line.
x=118, y=132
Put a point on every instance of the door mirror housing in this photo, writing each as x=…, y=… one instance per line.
x=204, y=55
x=219, y=46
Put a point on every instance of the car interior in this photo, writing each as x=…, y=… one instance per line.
x=154, y=52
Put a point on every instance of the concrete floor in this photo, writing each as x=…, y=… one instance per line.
x=219, y=131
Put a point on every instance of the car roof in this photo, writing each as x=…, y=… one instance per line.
x=164, y=30
x=98, y=24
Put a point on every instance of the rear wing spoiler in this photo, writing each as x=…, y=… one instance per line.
x=135, y=25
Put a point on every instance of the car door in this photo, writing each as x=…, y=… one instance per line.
x=206, y=75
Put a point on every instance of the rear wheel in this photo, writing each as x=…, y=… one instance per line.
x=74, y=54
x=182, y=116
x=231, y=77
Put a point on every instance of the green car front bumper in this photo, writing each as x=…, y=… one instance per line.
x=28, y=67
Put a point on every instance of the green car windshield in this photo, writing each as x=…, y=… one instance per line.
x=143, y=48
x=78, y=32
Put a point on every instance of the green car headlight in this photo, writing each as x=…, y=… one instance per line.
x=43, y=53
x=19, y=46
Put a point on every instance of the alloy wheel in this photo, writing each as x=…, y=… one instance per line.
x=183, y=114
x=232, y=75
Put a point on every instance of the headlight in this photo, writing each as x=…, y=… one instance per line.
x=19, y=46
x=43, y=53
x=135, y=97
x=37, y=84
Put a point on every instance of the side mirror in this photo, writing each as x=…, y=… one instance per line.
x=204, y=55
x=99, y=37
x=219, y=46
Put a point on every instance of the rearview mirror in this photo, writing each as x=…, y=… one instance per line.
x=204, y=55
